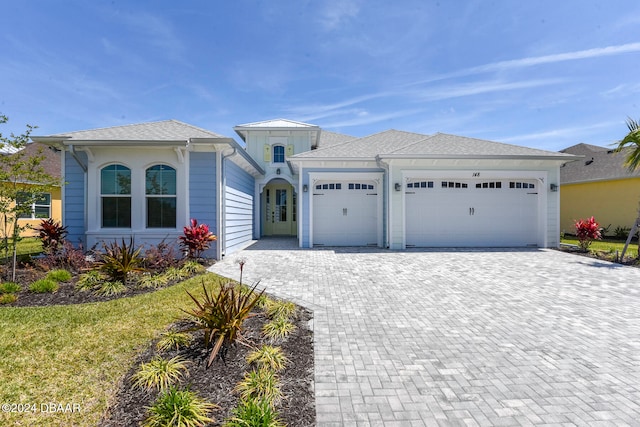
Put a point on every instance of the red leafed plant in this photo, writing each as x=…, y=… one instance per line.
x=197, y=239
x=587, y=230
x=52, y=235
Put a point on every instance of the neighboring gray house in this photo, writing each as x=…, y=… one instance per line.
x=392, y=189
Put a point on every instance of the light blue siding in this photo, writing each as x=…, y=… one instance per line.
x=202, y=193
x=73, y=205
x=238, y=208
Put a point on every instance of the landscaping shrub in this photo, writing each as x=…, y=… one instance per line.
x=277, y=308
x=261, y=384
x=110, y=288
x=254, y=413
x=90, y=280
x=196, y=239
x=44, y=285
x=9, y=288
x=148, y=280
x=278, y=329
x=59, y=275
x=7, y=298
x=192, y=267
x=52, y=235
x=160, y=257
x=221, y=316
x=173, y=340
x=587, y=230
x=173, y=274
x=179, y=408
x=269, y=357
x=160, y=374
x=69, y=258
x=119, y=260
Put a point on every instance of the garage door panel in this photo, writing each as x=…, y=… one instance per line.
x=345, y=213
x=471, y=213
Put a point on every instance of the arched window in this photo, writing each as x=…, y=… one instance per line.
x=115, y=194
x=160, y=187
x=278, y=154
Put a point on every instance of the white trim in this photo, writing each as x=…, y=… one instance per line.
x=219, y=196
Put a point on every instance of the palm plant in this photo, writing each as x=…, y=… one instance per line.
x=632, y=161
x=118, y=261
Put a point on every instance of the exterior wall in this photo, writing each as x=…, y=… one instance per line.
x=203, y=193
x=256, y=140
x=56, y=214
x=74, y=193
x=548, y=201
x=304, y=198
x=238, y=207
x=612, y=202
x=138, y=160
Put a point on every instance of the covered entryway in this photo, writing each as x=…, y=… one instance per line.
x=279, y=209
x=465, y=212
x=346, y=212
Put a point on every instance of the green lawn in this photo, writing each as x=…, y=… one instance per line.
x=77, y=354
x=608, y=246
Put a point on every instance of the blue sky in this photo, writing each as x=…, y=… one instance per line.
x=544, y=74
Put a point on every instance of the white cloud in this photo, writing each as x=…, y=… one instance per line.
x=476, y=88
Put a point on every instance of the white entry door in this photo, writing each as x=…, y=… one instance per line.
x=345, y=213
x=471, y=213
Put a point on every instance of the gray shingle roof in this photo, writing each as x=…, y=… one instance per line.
x=599, y=164
x=166, y=130
x=277, y=123
x=329, y=139
x=366, y=147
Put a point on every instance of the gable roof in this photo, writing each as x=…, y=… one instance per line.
x=277, y=123
x=329, y=139
x=166, y=130
x=407, y=145
x=599, y=164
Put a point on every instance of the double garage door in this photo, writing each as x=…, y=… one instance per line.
x=468, y=213
x=345, y=213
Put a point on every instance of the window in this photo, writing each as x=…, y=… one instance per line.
x=160, y=184
x=36, y=206
x=420, y=184
x=496, y=184
x=450, y=184
x=115, y=194
x=278, y=154
x=332, y=186
x=356, y=186
x=521, y=185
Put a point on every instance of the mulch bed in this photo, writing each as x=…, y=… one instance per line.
x=215, y=384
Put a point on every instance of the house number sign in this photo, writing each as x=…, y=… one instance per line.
x=476, y=174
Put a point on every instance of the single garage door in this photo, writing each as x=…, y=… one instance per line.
x=468, y=213
x=345, y=213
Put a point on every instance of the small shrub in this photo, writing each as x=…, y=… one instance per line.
x=269, y=357
x=275, y=309
x=7, y=298
x=173, y=340
x=160, y=257
x=59, y=275
x=261, y=384
x=221, y=316
x=254, y=413
x=192, y=267
x=52, y=235
x=43, y=286
x=587, y=230
x=9, y=288
x=154, y=281
x=173, y=274
x=621, y=232
x=179, y=408
x=110, y=288
x=119, y=260
x=159, y=373
x=90, y=280
x=278, y=329
x=196, y=239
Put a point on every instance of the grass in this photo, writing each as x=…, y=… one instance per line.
x=609, y=246
x=26, y=246
x=77, y=354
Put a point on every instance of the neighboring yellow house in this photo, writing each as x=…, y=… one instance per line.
x=599, y=185
x=50, y=204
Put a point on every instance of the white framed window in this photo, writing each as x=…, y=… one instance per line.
x=115, y=195
x=278, y=153
x=40, y=205
x=160, y=189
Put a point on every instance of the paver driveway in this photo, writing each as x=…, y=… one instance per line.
x=454, y=337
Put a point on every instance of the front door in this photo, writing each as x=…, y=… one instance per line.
x=279, y=202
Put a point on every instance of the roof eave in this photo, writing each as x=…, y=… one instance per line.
x=562, y=158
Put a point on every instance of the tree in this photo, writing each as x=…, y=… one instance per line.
x=631, y=141
x=22, y=182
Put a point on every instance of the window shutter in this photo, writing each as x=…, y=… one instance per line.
x=289, y=150
x=267, y=153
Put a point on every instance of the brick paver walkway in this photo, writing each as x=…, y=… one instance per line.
x=455, y=337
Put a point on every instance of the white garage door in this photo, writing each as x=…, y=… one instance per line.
x=468, y=213
x=345, y=213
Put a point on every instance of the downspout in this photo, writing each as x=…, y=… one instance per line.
x=222, y=215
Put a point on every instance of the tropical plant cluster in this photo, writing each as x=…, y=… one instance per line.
x=587, y=230
x=216, y=323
